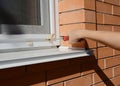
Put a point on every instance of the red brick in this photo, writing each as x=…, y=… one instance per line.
x=109, y=19
x=84, y=81
x=59, y=84
x=116, y=81
x=101, y=63
x=95, y=52
x=112, y=61
x=67, y=28
x=87, y=72
x=117, y=71
x=116, y=28
x=104, y=7
x=100, y=84
x=116, y=52
x=107, y=72
x=100, y=18
x=62, y=74
x=81, y=26
x=89, y=26
x=91, y=43
x=90, y=4
x=116, y=10
x=90, y=16
x=81, y=44
x=104, y=27
x=77, y=17
x=72, y=17
x=115, y=2
x=66, y=5
x=105, y=52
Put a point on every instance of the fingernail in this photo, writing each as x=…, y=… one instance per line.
x=65, y=38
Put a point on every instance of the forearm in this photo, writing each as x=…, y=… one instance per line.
x=111, y=39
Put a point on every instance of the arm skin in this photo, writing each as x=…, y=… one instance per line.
x=111, y=39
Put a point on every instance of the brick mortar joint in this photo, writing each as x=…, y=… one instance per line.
x=108, y=3
x=76, y=10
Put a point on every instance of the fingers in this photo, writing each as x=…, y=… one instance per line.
x=73, y=36
x=76, y=35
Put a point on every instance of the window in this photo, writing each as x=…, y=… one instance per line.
x=27, y=24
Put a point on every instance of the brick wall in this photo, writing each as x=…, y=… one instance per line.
x=101, y=15
x=102, y=69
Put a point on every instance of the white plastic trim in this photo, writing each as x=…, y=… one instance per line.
x=16, y=59
x=38, y=40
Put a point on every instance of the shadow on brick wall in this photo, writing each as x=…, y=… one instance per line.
x=48, y=74
x=85, y=65
x=77, y=68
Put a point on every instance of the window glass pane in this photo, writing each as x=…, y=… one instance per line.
x=26, y=12
x=24, y=17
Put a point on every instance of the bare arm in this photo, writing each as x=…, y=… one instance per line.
x=111, y=39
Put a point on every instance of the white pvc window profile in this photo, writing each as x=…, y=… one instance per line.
x=23, y=58
x=21, y=41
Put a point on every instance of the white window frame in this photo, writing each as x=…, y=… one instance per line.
x=29, y=41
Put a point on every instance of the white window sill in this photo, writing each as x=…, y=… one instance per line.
x=22, y=58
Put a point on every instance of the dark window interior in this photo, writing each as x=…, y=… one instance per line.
x=26, y=12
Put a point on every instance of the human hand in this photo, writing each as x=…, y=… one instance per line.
x=76, y=35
